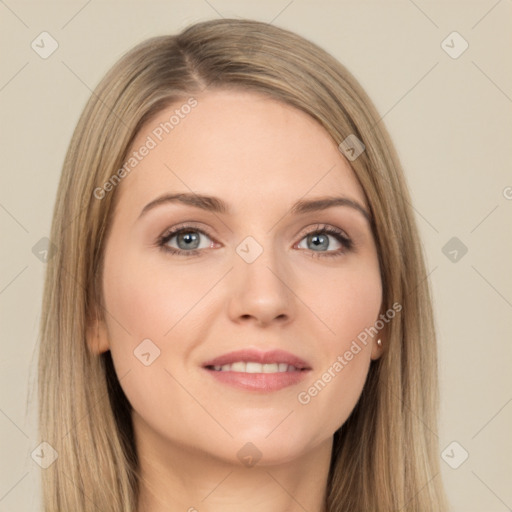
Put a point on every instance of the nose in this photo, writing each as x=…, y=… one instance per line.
x=262, y=291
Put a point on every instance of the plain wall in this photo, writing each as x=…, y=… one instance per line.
x=450, y=119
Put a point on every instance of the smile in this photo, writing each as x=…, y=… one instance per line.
x=254, y=370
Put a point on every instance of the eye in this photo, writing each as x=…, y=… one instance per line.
x=326, y=241
x=185, y=240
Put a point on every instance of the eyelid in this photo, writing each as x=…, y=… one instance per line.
x=320, y=227
x=183, y=226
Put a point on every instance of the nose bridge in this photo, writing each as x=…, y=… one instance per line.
x=260, y=281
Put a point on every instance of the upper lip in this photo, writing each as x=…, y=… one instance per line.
x=257, y=356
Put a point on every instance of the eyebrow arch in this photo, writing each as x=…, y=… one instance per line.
x=209, y=203
x=315, y=205
x=216, y=205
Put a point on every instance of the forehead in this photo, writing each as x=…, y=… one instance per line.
x=241, y=146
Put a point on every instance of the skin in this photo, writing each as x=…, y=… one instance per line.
x=259, y=156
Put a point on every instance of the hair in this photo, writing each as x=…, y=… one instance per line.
x=385, y=456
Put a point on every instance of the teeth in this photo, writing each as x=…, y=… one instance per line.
x=239, y=366
x=271, y=368
x=249, y=368
x=252, y=367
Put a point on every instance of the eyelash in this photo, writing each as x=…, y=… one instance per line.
x=320, y=229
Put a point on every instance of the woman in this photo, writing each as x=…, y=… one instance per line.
x=237, y=315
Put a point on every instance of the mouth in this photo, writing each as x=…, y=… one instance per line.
x=258, y=371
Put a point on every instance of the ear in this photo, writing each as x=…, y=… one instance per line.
x=97, y=336
x=379, y=341
x=377, y=346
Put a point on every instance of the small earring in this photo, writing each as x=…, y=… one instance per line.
x=379, y=342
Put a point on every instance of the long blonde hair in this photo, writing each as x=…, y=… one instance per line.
x=385, y=456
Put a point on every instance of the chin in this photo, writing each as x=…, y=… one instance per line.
x=272, y=448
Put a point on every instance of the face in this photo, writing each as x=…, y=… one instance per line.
x=236, y=319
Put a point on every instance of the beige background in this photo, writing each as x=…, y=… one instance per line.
x=450, y=120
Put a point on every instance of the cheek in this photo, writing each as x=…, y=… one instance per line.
x=154, y=302
x=349, y=305
x=150, y=299
x=160, y=302
x=334, y=389
x=349, y=300
x=334, y=392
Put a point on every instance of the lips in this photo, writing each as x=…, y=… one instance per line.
x=258, y=371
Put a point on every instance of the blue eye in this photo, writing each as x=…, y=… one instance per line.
x=186, y=241
x=319, y=242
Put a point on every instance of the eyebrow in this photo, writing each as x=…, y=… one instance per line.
x=216, y=205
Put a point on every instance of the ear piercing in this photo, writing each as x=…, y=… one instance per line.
x=379, y=342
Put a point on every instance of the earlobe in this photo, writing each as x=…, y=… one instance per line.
x=97, y=338
x=377, y=349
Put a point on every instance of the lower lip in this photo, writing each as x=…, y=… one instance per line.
x=259, y=381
